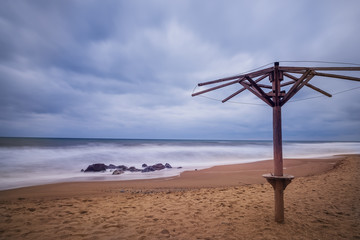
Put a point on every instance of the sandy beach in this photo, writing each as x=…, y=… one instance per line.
x=223, y=202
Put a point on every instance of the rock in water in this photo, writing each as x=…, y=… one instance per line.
x=148, y=169
x=134, y=169
x=111, y=166
x=97, y=167
x=117, y=172
x=122, y=167
x=158, y=166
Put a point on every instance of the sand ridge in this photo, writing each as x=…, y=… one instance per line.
x=322, y=206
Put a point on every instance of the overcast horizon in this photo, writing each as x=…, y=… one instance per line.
x=127, y=69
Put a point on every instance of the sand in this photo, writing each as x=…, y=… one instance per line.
x=225, y=202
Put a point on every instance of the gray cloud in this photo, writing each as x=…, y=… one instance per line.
x=127, y=68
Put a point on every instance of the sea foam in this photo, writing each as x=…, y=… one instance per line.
x=40, y=161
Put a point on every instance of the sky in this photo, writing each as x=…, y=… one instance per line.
x=127, y=69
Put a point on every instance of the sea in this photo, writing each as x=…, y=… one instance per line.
x=35, y=161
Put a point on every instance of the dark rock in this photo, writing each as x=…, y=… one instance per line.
x=117, y=172
x=158, y=166
x=148, y=169
x=133, y=169
x=122, y=167
x=179, y=167
x=111, y=166
x=97, y=167
x=82, y=170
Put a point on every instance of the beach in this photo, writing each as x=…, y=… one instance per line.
x=223, y=202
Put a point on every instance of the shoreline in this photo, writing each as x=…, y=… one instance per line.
x=217, y=176
x=322, y=202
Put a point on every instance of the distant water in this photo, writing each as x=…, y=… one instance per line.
x=33, y=161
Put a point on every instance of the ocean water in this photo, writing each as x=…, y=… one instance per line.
x=33, y=161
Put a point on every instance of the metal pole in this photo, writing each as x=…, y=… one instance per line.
x=277, y=142
x=277, y=136
x=278, y=180
x=279, y=201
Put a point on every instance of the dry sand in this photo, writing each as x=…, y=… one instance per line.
x=225, y=202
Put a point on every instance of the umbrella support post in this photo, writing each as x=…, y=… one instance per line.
x=279, y=184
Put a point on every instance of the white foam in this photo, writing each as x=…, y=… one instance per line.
x=25, y=166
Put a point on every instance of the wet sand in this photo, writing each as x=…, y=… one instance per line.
x=224, y=202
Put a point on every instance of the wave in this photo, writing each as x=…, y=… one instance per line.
x=46, y=161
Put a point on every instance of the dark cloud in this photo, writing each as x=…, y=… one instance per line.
x=127, y=68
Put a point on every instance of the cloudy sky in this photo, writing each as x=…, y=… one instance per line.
x=126, y=69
